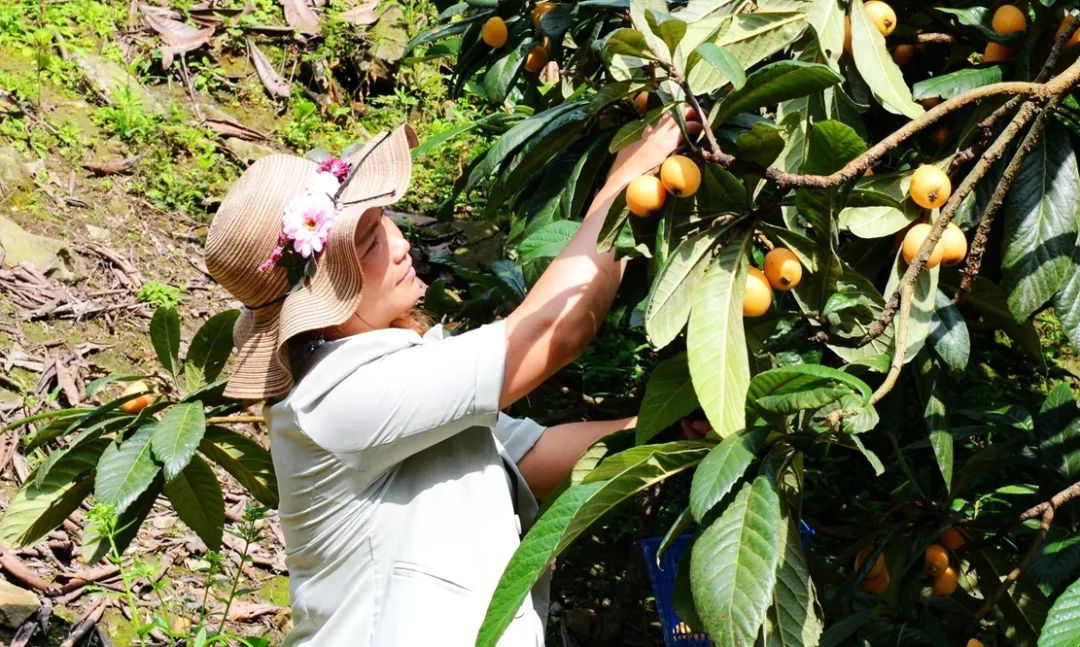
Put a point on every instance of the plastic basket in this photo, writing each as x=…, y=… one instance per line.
x=662, y=582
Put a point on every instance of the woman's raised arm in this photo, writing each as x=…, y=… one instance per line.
x=565, y=308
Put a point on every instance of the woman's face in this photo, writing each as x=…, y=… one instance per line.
x=391, y=287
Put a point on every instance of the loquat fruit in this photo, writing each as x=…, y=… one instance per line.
x=913, y=240
x=536, y=59
x=930, y=187
x=955, y=243
x=929, y=102
x=882, y=15
x=757, y=296
x=494, y=32
x=941, y=135
x=997, y=53
x=952, y=539
x=137, y=404
x=645, y=194
x=847, y=35
x=1074, y=40
x=877, y=569
x=641, y=102
x=936, y=559
x=538, y=13
x=877, y=585
x=782, y=269
x=1008, y=19
x=945, y=582
x=903, y=54
x=974, y=642
x=680, y=175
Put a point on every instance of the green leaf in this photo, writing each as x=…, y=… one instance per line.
x=669, y=28
x=39, y=507
x=990, y=300
x=165, y=337
x=511, y=140
x=1022, y=610
x=548, y=241
x=716, y=342
x=177, y=436
x=949, y=334
x=1061, y=451
x=772, y=84
x=95, y=548
x=949, y=85
x=796, y=387
x=873, y=222
x=982, y=19
x=627, y=134
x=722, y=469
x=750, y=38
x=502, y=73
x=922, y=304
x=247, y=461
x=668, y=303
x=1067, y=300
x=209, y=350
x=196, y=496
x=126, y=470
x=1041, y=224
x=570, y=515
x=723, y=62
x=733, y=565
x=627, y=42
x=876, y=67
x=794, y=617
x=1063, y=621
x=936, y=414
x=645, y=459
x=669, y=396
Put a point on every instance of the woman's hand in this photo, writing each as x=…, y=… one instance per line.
x=695, y=429
x=655, y=145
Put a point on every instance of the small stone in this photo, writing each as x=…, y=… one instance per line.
x=15, y=177
x=47, y=255
x=16, y=605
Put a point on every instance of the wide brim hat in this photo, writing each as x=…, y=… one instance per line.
x=245, y=231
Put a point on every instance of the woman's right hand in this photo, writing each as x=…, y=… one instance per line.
x=656, y=144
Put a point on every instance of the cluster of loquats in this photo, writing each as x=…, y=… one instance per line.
x=937, y=562
x=877, y=581
x=495, y=34
x=930, y=189
x=1008, y=20
x=783, y=271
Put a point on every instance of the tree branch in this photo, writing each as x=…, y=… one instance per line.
x=907, y=293
x=1014, y=574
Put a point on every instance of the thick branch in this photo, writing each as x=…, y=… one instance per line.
x=1055, y=502
x=907, y=292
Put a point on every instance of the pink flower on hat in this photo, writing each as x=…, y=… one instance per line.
x=334, y=166
x=307, y=222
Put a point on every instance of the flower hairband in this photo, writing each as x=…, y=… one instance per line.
x=308, y=218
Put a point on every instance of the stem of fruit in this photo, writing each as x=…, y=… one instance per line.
x=1014, y=574
x=978, y=242
x=907, y=292
x=995, y=152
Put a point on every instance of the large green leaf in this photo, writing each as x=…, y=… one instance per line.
x=1067, y=300
x=669, y=395
x=196, y=496
x=722, y=469
x=772, y=84
x=794, y=618
x=209, y=350
x=949, y=85
x=1041, y=223
x=87, y=435
x=668, y=304
x=548, y=241
x=636, y=461
x=165, y=337
x=723, y=62
x=39, y=507
x=512, y=139
x=949, y=334
x=922, y=304
x=570, y=515
x=936, y=414
x=873, y=221
x=876, y=67
x=750, y=38
x=716, y=342
x=126, y=470
x=627, y=42
x=991, y=301
x=95, y=547
x=733, y=565
x=177, y=436
x=796, y=387
x=247, y=461
x=1063, y=621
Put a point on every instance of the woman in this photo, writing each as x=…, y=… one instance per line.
x=403, y=489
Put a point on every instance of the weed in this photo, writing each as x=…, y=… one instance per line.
x=160, y=295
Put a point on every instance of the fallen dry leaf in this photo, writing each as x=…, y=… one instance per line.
x=301, y=17
x=115, y=167
x=178, y=37
x=271, y=80
x=233, y=128
x=361, y=15
x=241, y=610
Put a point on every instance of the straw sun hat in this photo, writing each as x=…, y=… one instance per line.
x=248, y=227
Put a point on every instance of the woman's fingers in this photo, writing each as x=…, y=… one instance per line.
x=695, y=429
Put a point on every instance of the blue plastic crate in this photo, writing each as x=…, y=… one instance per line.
x=662, y=582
